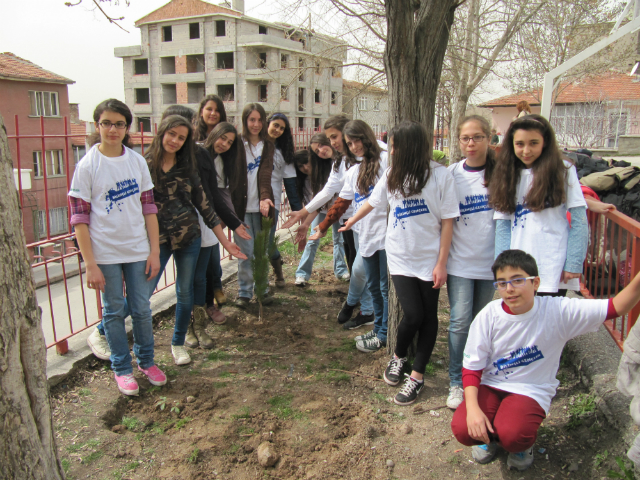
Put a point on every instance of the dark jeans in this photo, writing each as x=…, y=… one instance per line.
x=350, y=250
x=214, y=274
x=559, y=293
x=419, y=301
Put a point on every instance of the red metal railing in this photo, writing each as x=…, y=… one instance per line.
x=67, y=307
x=613, y=259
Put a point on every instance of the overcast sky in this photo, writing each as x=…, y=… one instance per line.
x=78, y=42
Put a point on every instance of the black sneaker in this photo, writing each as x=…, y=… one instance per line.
x=242, y=302
x=393, y=372
x=409, y=391
x=345, y=313
x=358, y=321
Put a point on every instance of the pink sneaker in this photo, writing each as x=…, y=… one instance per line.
x=127, y=384
x=216, y=315
x=154, y=374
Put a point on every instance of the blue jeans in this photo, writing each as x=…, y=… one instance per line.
x=115, y=310
x=245, y=270
x=186, y=259
x=358, y=290
x=308, y=256
x=200, y=277
x=466, y=298
x=378, y=283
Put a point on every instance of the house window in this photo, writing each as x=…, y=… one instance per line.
x=53, y=161
x=226, y=92
x=262, y=93
x=301, y=99
x=195, y=92
x=334, y=98
x=318, y=68
x=167, y=34
x=302, y=67
x=376, y=105
x=363, y=103
x=284, y=61
x=146, y=124
x=262, y=60
x=168, y=65
x=141, y=66
x=224, y=61
x=195, y=63
x=194, y=31
x=142, y=96
x=220, y=28
x=316, y=123
x=262, y=30
x=79, y=151
x=335, y=72
x=44, y=104
x=169, y=94
x=284, y=93
x=318, y=98
x=58, y=221
x=300, y=122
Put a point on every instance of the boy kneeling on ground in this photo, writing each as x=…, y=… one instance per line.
x=512, y=356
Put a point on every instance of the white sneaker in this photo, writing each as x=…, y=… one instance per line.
x=345, y=278
x=99, y=345
x=300, y=281
x=180, y=355
x=520, y=461
x=455, y=397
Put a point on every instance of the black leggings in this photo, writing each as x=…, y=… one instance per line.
x=419, y=300
x=349, y=247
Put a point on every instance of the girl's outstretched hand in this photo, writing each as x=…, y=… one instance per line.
x=241, y=231
x=295, y=217
x=234, y=250
x=439, y=275
x=348, y=225
x=319, y=233
x=301, y=234
x=566, y=276
x=264, y=206
x=301, y=245
x=599, y=207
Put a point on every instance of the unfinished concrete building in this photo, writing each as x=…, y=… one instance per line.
x=191, y=48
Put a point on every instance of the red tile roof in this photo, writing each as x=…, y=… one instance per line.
x=362, y=87
x=79, y=129
x=183, y=9
x=14, y=67
x=610, y=86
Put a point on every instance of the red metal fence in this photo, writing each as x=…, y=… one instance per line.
x=68, y=306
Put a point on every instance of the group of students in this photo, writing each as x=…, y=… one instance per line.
x=514, y=222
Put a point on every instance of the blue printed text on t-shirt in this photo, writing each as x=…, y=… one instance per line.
x=254, y=165
x=409, y=208
x=124, y=189
x=517, y=358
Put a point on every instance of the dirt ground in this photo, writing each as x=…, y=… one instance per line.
x=295, y=379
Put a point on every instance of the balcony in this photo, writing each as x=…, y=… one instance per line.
x=132, y=51
x=272, y=41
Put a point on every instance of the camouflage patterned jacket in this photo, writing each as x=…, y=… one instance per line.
x=177, y=195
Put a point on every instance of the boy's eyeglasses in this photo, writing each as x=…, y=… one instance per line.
x=476, y=139
x=106, y=124
x=516, y=282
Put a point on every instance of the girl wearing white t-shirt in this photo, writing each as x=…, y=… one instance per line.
x=252, y=195
x=469, y=277
x=359, y=181
x=422, y=198
x=284, y=170
x=531, y=191
x=114, y=216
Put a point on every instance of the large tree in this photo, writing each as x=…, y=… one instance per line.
x=27, y=443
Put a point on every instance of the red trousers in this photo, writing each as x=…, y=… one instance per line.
x=515, y=419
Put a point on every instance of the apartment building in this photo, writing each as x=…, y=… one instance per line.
x=368, y=103
x=191, y=48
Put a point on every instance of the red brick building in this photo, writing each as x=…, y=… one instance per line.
x=36, y=95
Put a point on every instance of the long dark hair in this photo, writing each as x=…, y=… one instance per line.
x=547, y=188
x=285, y=141
x=483, y=123
x=301, y=157
x=201, y=126
x=338, y=122
x=267, y=149
x=116, y=106
x=357, y=129
x=321, y=167
x=230, y=157
x=185, y=157
x=410, y=168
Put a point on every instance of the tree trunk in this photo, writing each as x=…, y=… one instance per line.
x=417, y=38
x=27, y=444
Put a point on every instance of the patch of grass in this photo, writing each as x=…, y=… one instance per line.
x=288, y=248
x=131, y=466
x=245, y=430
x=233, y=449
x=154, y=388
x=193, y=458
x=218, y=356
x=580, y=405
x=244, y=413
x=454, y=460
x=226, y=375
x=194, y=372
x=133, y=424
x=66, y=465
x=378, y=397
x=600, y=458
x=270, y=364
x=332, y=376
x=281, y=406
x=92, y=457
x=303, y=304
x=157, y=428
x=430, y=369
x=171, y=372
x=219, y=384
x=625, y=472
x=84, y=392
x=182, y=422
x=346, y=345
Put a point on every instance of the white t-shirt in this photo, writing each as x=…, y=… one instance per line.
x=334, y=185
x=113, y=186
x=372, y=228
x=521, y=353
x=544, y=235
x=207, y=237
x=474, y=232
x=220, y=171
x=254, y=157
x=277, y=176
x=290, y=170
x=413, y=230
